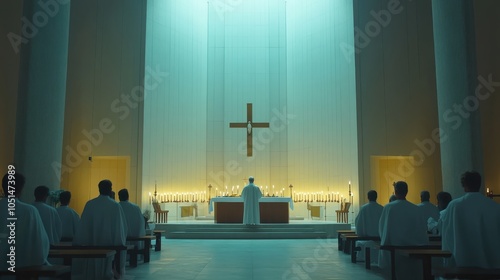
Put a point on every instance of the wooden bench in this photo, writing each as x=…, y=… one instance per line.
x=117, y=248
x=426, y=256
x=434, y=239
x=134, y=251
x=339, y=237
x=351, y=239
x=158, y=234
x=69, y=255
x=392, y=249
x=36, y=271
x=466, y=273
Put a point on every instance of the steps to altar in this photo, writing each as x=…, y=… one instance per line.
x=293, y=230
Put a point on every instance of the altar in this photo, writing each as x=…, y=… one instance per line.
x=230, y=209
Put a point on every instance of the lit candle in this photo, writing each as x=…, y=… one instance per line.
x=488, y=190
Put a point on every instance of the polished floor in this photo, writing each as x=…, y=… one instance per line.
x=288, y=259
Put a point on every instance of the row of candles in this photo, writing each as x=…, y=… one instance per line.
x=319, y=197
x=178, y=197
x=266, y=191
x=235, y=191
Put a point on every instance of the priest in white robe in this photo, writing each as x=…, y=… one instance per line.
x=69, y=217
x=102, y=223
x=471, y=227
x=428, y=209
x=251, y=195
x=31, y=243
x=136, y=224
x=49, y=215
x=402, y=224
x=366, y=223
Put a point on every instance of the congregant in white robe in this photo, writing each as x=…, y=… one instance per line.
x=133, y=215
x=31, y=241
x=251, y=195
x=366, y=223
x=428, y=209
x=471, y=227
x=402, y=224
x=69, y=217
x=433, y=226
x=49, y=215
x=102, y=223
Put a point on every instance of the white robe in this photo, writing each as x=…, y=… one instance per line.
x=402, y=224
x=51, y=221
x=135, y=222
x=69, y=220
x=429, y=210
x=31, y=243
x=251, y=212
x=471, y=231
x=102, y=223
x=366, y=223
x=434, y=226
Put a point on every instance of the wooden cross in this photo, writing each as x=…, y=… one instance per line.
x=249, y=125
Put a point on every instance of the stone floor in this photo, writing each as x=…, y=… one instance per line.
x=287, y=259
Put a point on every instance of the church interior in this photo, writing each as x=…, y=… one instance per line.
x=180, y=101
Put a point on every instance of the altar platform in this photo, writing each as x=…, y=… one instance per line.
x=295, y=229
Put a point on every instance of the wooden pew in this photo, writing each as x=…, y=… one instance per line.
x=466, y=273
x=426, y=256
x=37, y=271
x=117, y=248
x=392, y=249
x=158, y=234
x=340, y=235
x=69, y=255
x=432, y=238
x=145, y=251
x=351, y=239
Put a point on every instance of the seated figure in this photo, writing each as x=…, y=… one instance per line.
x=367, y=225
x=471, y=227
x=69, y=217
x=402, y=224
x=32, y=243
x=433, y=226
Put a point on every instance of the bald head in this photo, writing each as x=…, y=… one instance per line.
x=250, y=179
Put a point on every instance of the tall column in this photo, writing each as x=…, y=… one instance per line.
x=456, y=79
x=41, y=96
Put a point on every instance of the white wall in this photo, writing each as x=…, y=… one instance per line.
x=281, y=57
x=105, y=69
x=397, y=103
